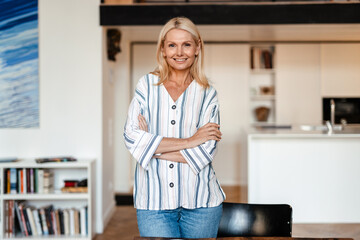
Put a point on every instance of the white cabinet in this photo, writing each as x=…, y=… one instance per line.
x=298, y=84
x=340, y=71
x=78, y=203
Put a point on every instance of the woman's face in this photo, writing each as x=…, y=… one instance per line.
x=180, y=49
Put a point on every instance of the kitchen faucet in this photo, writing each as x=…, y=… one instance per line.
x=332, y=112
x=331, y=124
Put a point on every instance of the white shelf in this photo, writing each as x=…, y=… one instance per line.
x=262, y=71
x=255, y=124
x=262, y=83
x=30, y=163
x=50, y=196
x=262, y=97
x=77, y=170
x=66, y=237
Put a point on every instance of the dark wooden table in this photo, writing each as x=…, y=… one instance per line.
x=247, y=238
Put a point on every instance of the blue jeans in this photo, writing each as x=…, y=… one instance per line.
x=180, y=222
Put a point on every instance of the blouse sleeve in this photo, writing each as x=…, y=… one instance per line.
x=199, y=157
x=142, y=145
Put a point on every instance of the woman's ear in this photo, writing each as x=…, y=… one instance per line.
x=198, y=48
x=163, y=52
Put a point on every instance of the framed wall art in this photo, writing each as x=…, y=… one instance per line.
x=19, y=64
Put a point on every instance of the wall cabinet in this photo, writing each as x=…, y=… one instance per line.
x=298, y=84
x=340, y=72
x=66, y=215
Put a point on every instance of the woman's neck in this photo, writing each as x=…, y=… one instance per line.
x=180, y=77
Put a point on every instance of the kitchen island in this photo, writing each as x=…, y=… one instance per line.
x=317, y=173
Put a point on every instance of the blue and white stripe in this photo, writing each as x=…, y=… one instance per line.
x=194, y=184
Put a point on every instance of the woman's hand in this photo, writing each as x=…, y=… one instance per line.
x=209, y=131
x=142, y=123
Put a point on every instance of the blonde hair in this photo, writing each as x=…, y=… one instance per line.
x=196, y=70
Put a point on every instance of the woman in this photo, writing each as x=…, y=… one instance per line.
x=172, y=131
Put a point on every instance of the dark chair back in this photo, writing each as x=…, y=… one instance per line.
x=255, y=220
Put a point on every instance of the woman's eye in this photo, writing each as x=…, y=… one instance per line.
x=171, y=45
x=187, y=44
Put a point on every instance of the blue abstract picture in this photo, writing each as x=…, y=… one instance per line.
x=19, y=64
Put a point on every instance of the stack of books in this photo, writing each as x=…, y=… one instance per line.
x=28, y=180
x=261, y=57
x=24, y=220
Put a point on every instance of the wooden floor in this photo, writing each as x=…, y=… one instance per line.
x=123, y=223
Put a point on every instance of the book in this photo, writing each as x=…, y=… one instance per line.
x=6, y=218
x=83, y=221
x=13, y=180
x=28, y=190
x=40, y=180
x=37, y=221
x=36, y=180
x=18, y=215
x=72, y=221
x=31, y=221
x=66, y=222
x=48, y=181
x=86, y=217
x=76, y=222
x=49, y=222
x=23, y=221
x=53, y=219
x=61, y=219
x=56, y=159
x=11, y=218
x=21, y=180
x=18, y=180
x=24, y=180
x=27, y=221
x=43, y=222
x=32, y=180
x=57, y=221
x=8, y=159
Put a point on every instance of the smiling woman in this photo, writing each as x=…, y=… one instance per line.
x=172, y=130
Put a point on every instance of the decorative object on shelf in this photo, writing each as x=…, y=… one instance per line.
x=261, y=57
x=74, y=189
x=55, y=159
x=267, y=90
x=8, y=159
x=262, y=113
x=75, y=186
x=113, y=43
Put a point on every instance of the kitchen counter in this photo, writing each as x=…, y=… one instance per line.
x=297, y=132
x=317, y=173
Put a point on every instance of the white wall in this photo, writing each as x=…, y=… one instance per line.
x=108, y=117
x=70, y=90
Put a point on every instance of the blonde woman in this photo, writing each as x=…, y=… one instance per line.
x=172, y=130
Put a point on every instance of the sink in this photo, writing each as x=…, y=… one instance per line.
x=337, y=129
x=320, y=128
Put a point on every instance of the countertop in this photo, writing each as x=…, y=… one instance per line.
x=297, y=132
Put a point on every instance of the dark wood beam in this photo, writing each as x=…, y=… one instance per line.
x=231, y=13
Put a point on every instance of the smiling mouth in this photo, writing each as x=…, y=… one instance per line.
x=180, y=59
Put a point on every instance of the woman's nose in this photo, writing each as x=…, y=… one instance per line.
x=179, y=51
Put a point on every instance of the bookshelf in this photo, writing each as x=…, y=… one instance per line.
x=262, y=85
x=62, y=210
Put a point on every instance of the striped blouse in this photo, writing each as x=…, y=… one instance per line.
x=161, y=184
